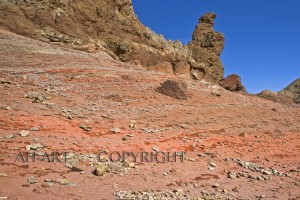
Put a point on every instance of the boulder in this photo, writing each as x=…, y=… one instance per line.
x=174, y=89
x=232, y=83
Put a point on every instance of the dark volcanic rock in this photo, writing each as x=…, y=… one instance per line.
x=232, y=83
x=174, y=89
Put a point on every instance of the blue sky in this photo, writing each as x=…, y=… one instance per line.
x=262, y=36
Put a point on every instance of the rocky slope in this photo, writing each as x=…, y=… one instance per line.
x=288, y=95
x=55, y=99
x=112, y=25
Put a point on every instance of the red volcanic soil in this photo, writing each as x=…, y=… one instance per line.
x=55, y=93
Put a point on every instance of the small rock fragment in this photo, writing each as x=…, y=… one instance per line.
x=85, y=128
x=47, y=184
x=32, y=180
x=100, y=170
x=10, y=136
x=115, y=130
x=64, y=182
x=24, y=133
x=212, y=166
x=3, y=175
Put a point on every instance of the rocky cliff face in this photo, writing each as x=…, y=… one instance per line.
x=111, y=25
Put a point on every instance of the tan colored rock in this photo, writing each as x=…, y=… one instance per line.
x=182, y=68
x=207, y=46
x=113, y=27
x=164, y=67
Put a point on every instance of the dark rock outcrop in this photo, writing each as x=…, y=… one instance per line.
x=112, y=26
x=233, y=83
x=174, y=89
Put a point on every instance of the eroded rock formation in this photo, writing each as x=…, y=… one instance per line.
x=111, y=25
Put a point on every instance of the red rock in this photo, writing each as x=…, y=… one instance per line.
x=174, y=89
x=232, y=83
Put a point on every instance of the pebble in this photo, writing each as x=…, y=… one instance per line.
x=47, y=184
x=115, y=130
x=212, y=166
x=3, y=175
x=63, y=181
x=131, y=165
x=232, y=175
x=10, y=136
x=100, y=170
x=32, y=180
x=85, y=128
x=34, y=146
x=155, y=149
x=24, y=133
x=35, y=129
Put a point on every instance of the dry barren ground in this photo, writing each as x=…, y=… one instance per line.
x=236, y=146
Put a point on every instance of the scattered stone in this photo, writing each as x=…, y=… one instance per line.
x=67, y=115
x=35, y=129
x=131, y=165
x=8, y=108
x=34, y=146
x=85, y=128
x=63, y=181
x=49, y=180
x=47, y=184
x=24, y=133
x=115, y=130
x=165, y=174
x=216, y=185
x=232, y=175
x=76, y=169
x=155, y=149
x=100, y=170
x=217, y=94
x=174, y=89
x=36, y=97
x=212, y=166
x=10, y=136
x=32, y=180
x=3, y=81
x=132, y=125
x=3, y=175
